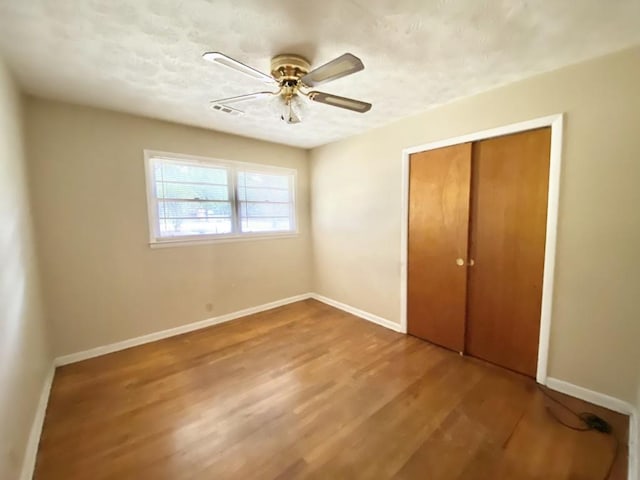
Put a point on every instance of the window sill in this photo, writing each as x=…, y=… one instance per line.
x=225, y=239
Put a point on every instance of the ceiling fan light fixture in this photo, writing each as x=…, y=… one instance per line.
x=290, y=109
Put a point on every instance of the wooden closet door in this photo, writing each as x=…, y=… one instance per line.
x=509, y=186
x=439, y=183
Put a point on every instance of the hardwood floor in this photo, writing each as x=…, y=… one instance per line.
x=307, y=391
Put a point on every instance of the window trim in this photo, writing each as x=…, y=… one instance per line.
x=155, y=241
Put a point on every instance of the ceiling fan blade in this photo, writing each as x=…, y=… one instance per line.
x=342, y=102
x=337, y=68
x=222, y=59
x=242, y=98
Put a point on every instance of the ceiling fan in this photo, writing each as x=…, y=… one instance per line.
x=292, y=76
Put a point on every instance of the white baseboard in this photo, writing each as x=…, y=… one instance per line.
x=358, y=313
x=634, y=446
x=152, y=337
x=29, y=461
x=611, y=403
x=590, y=396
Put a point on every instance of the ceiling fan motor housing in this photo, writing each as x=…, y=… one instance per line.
x=289, y=68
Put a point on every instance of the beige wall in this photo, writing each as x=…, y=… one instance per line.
x=24, y=351
x=102, y=281
x=596, y=309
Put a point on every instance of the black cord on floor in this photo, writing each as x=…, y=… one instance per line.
x=589, y=421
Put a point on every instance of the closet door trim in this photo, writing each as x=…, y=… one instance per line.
x=555, y=161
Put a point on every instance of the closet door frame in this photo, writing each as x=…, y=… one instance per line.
x=555, y=161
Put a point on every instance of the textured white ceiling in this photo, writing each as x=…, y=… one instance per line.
x=143, y=56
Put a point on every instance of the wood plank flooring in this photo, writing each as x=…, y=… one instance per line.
x=307, y=391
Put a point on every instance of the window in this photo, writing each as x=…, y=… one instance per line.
x=195, y=199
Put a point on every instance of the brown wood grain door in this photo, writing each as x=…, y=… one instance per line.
x=439, y=183
x=509, y=187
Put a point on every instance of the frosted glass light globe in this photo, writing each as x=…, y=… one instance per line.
x=291, y=110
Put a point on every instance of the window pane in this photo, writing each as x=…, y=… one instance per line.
x=249, y=209
x=263, y=194
x=266, y=225
x=191, y=191
x=250, y=179
x=194, y=226
x=176, y=172
x=265, y=202
x=168, y=209
x=204, y=199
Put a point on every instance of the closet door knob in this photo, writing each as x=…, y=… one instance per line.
x=471, y=263
x=460, y=262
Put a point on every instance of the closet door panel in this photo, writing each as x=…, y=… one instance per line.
x=439, y=184
x=507, y=243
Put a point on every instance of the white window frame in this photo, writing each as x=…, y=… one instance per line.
x=155, y=240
